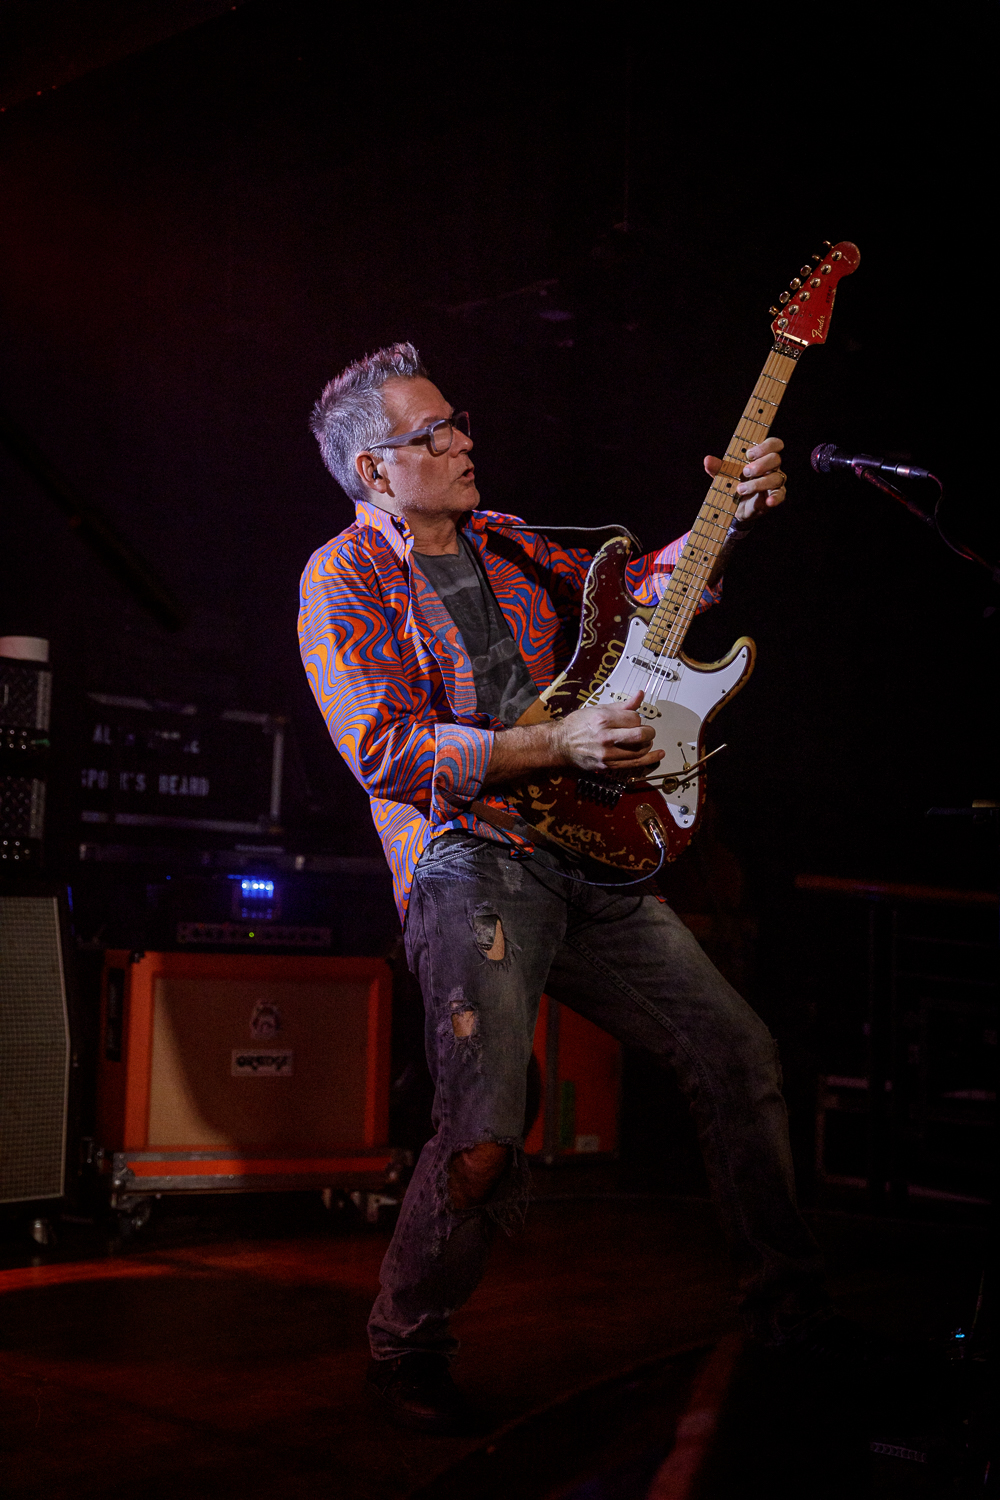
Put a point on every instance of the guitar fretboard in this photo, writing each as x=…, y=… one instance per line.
x=675, y=611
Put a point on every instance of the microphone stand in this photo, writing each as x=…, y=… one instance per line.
x=979, y=812
x=862, y=471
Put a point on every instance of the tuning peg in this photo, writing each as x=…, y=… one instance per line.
x=774, y=311
x=805, y=271
x=826, y=246
x=784, y=298
x=795, y=283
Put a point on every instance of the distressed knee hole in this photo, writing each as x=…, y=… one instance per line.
x=488, y=930
x=463, y=1022
x=475, y=1173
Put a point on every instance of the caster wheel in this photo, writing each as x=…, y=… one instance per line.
x=130, y=1218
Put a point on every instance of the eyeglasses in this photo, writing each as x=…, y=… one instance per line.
x=439, y=435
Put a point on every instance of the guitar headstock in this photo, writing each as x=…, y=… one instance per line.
x=803, y=314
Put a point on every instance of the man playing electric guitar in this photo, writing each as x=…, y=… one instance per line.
x=427, y=629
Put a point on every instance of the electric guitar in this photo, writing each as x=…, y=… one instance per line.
x=634, y=823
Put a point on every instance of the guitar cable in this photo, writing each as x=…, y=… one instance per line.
x=863, y=471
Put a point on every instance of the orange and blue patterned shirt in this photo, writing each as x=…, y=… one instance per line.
x=388, y=667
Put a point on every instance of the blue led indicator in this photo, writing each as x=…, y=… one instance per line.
x=257, y=890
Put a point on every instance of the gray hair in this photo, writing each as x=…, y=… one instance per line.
x=350, y=416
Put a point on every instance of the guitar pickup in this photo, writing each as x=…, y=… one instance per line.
x=666, y=673
x=648, y=710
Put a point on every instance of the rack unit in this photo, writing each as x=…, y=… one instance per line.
x=903, y=979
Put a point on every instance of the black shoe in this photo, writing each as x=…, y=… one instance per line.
x=418, y=1392
x=841, y=1347
x=861, y=1367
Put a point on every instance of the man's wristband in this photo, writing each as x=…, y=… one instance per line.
x=739, y=529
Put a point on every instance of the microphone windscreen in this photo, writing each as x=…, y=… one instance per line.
x=821, y=457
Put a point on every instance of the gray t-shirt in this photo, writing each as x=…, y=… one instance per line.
x=504, y=688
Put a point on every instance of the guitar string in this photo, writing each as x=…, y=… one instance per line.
x=695, y=584
x=770, y=389
x=696, y=575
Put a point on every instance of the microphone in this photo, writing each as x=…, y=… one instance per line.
x=827, y=457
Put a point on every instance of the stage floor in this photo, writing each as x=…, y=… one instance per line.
x=222, y=1352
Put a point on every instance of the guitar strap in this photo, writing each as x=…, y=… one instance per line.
x=507, y=823
x=564, y=597
x=568, y=610
x=498, y=818
x=583, y=536
x=590, y=538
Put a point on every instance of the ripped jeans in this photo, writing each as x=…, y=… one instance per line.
x=486, y=934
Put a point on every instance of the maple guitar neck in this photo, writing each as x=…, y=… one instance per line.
x=675, y=611
x=634, y=824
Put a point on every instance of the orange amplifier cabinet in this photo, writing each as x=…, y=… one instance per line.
x=580, y=1066
x=245, y=1072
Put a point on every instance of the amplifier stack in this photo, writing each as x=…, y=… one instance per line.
x=34, y=1045
x=25, y=715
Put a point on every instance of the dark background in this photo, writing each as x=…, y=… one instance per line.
x=209, y=210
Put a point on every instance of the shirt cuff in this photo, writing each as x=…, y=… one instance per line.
x=461, y=758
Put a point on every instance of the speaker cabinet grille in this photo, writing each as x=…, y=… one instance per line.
x=34, y=1049
x=210, y=1081
x=252, y=1055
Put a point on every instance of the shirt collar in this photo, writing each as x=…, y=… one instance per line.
x=396, y=531
x=392, y=528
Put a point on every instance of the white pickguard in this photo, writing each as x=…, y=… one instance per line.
x=677, y=700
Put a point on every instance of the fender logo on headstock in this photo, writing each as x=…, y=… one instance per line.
x=795, y=320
